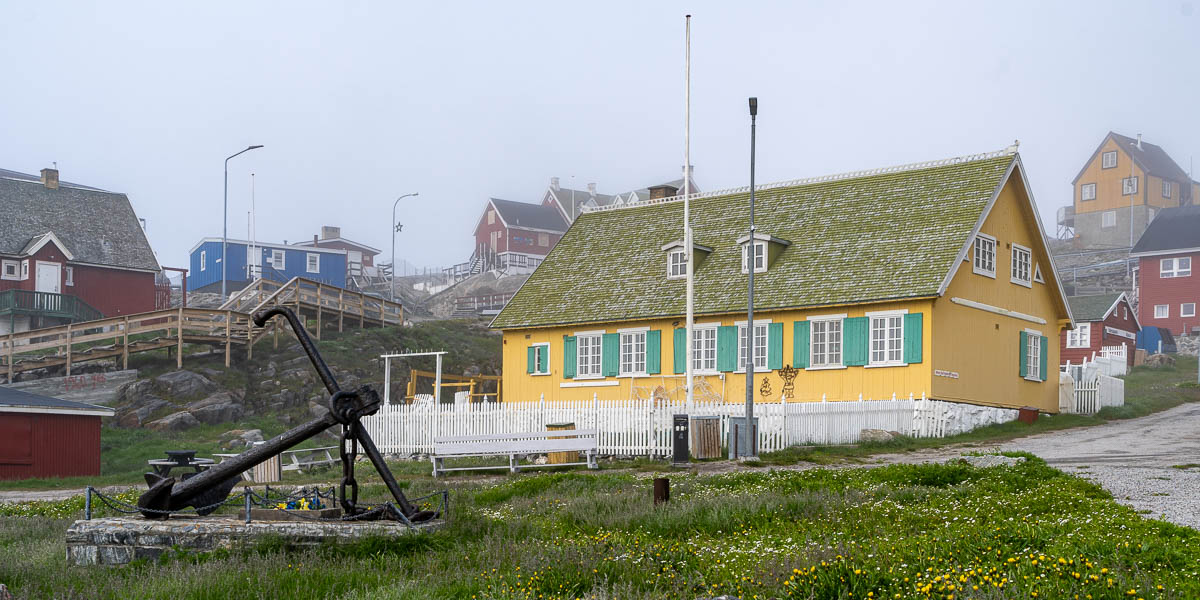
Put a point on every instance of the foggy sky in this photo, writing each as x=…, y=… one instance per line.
x=361, y=103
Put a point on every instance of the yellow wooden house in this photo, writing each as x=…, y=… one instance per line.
x=930, y=279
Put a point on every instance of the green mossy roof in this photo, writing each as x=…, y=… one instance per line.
x=1091, y=308
x=877, y=237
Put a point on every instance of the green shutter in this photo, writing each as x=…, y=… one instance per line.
x=1023, y=351
x=913, y=338
x=610, y=354
x=570, y=355
x=1043, y=355
x=544, y=359
x=680, y=352
x=727, y=348
x=854, y=341
x=800, y=345
x=654, y=352
x=775, y=346
x=530, y=357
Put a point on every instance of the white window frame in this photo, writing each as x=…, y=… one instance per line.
x=1126, y=188
x=1175, y=269
x=1187, y=309
x=760, y=257
x=1037, y=274
x=1104, y=164
x=1033, y=355
x=544, y=240
x=760, y=358
x=886, y=316
x=589, y=340
x=1017, y=251
x=1162, y=311
x=309, y=259
x=1084, y=195
x=1108, y=219
x=16, y=270
x=25, y=269
x=1166, y=189
x=70, y=276
x=976, y=263
x=824, y=321
x=537, y=349
x=632, y=334
x=203, y=260
x=491, y=217
x=1080, y=337
x=676, y=269
x=704, y=339
x=278, y=259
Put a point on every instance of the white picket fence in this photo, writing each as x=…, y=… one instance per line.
x=1100, y=391
x=643, y=427
x=1110, y=361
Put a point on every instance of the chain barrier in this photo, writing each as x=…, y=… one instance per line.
x=126, y=508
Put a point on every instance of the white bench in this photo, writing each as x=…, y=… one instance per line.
x=513, y=445
x=305, y=458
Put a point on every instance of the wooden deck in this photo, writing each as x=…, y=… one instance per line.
x=319, y=305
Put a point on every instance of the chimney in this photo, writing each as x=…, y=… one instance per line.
x=1139, y=142
x=50, y=178
x=592, y=189
x=329, y=232
x=662, y=191
x=314, y=240
x=554, y=183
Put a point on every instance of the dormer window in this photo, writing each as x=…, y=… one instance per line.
x=765, y=248
x=676, y=264
x=760, y=257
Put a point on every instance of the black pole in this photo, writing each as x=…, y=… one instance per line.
x=752, y=447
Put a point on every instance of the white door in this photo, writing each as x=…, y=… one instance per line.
x=49, y=277
x=355, y=262
x=253, y=262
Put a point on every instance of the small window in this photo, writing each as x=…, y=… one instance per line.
x=277, y=259
x=539, y=357
x=1166, y=189
x=633, y=353
x=985, y=255
x=1124, y=312
x=760, y=347
x=1175, y=267
x=1109, y=219
x=1034, y=357
x=70, y=275
x=491, y=217
x=1162, y=311
x=543, y=239
x=676, y=264
x=887, y=340
x=826, y=343
x=12, y=270
x=314, y=262
x=1021, y=265
x=1087, y=191
x=1109, y=160
x=760, y=257
x=704, y=349
x=1187, y=310
x=203, y=260
x=587, y=353
x=25, y=269
x=1037, y=274
x=1080, y=337
x=1129, y=186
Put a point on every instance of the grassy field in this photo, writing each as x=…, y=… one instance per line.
x=902, y=531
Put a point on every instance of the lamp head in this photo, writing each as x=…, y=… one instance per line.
x=753, y=106
x=254, y=147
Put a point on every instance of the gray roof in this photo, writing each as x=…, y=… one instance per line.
x=529, y=216
x=1176, y=228
x=98, y=227
x=6, y=174
x=572, y=201
x=644, y=193
x=1152, y=158
x=10, y=397
x=1092, y=308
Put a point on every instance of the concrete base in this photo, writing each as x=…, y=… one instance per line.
x=121, y=540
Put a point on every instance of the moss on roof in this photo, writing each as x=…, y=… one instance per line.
x=876, y=237
x=1091, y=308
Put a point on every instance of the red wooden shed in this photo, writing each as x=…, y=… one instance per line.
x=48, y=437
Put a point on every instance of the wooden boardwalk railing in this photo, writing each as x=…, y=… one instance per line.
x=223, y=328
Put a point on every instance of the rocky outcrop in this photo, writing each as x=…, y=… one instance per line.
x=179, y=384
x=1158, y=361
x=136, y=416
x=174, y=422
x=239, y=439
x=221, y=407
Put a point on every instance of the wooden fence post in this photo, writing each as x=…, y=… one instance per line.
x=228, y=334
x=11, y=356
x=179, y=343
x=341, y=308
x=125, y=344
x=68, y=349
x=319, y=311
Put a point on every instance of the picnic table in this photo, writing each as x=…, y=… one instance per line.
x=179, y=459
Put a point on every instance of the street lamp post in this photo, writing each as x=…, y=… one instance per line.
x=395, y=228
x=751, y=262
x=225, y=223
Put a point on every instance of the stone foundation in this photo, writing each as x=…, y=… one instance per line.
x=121, y=540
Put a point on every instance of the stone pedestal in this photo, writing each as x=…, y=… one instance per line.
x=120, y=540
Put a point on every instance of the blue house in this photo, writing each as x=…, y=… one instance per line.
x=277, y=262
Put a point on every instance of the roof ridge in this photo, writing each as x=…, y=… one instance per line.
x=916, y=166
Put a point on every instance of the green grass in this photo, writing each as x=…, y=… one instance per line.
x=902, y=531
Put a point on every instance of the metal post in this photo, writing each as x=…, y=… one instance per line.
x=225, y=223
x=87, y=504
x=751, y=259
x=689, y=322
x=395, y=228
x=246, y=495
x=437, y=382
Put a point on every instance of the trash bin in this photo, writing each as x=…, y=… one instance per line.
x=1027, y=415
x=560, y=458
x=268, y=471
x=706, y=437
x=742, y=443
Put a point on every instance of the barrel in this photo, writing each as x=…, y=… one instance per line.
x=559, y=458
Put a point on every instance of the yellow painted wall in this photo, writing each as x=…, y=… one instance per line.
x=982, y=347
x=1108, y=182
x=835, y=384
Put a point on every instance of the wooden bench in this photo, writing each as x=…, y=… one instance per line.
x=514, y=444
x=305, y=458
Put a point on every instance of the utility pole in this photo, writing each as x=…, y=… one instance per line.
x=751, y=263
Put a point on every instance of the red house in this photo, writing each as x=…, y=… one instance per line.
x=1166, y=281
x=69, y=253
x=360, y=258
x=516, y=236
x=48, y=437
x=1101, y=321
